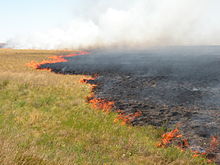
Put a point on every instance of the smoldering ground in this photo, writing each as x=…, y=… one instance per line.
x=169, y=85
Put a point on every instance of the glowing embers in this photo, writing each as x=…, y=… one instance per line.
x=96, y=103
x=88, y=80
x=54, y=59
x=169, y=137
x=126, y=119
x=107, y=106
x=175, y=138
x=102, y=104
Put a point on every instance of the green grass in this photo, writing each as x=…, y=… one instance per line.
x=45, y=120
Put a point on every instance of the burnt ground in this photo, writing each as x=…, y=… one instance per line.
x=170, y=86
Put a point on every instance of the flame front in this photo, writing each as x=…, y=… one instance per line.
x=54, y=59
x=127, y=119
x=106, y=106
x=168, y=137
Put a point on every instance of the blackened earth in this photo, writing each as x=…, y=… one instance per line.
x=170, y=86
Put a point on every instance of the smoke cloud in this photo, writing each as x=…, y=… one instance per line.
x=125, y=23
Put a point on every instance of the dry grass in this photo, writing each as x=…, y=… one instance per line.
x=45, y=120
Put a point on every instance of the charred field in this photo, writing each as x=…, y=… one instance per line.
x=44, y=119
x=170, y=86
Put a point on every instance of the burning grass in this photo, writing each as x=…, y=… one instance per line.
x=175, y=138
x=44, y=119
x=54, y=59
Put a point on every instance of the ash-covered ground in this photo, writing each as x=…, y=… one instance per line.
x=170, y=86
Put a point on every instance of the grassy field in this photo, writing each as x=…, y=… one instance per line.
x=44, y=120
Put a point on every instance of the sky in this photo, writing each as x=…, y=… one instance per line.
x=88, y=23
x=23, y=16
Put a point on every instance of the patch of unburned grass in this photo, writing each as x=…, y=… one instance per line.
x=44, y=119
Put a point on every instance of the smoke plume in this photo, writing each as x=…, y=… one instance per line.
x=130, y=23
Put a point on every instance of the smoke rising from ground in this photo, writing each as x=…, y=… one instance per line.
x=125, y=23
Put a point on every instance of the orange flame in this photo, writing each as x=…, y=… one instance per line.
x=105, y=105
x=168, y=137
x=86, y=80
x=213, y=147
x=97, y=103
x=126, y=119
x=55, y=59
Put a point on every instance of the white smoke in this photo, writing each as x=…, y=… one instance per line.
x=133, y=23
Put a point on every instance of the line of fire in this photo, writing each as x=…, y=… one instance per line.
x=173, y=87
